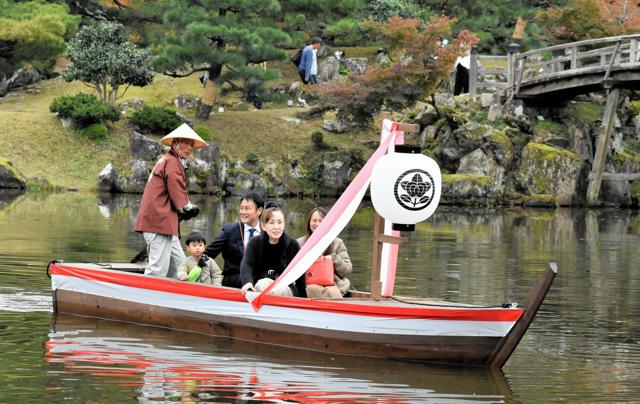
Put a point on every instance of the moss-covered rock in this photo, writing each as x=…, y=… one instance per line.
x=551, y=133
x=548, y=170
x=10, y=177
x=469, y=189
x=477, y=162
x=498, y=145
x=539, y=201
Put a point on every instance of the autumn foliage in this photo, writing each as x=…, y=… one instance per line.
x=587, y=19
x=418, y=62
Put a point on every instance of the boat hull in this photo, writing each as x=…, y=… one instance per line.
x=431, y=349
x=457, y=335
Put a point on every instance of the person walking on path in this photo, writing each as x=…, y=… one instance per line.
x=163, y=200
x=308, y=67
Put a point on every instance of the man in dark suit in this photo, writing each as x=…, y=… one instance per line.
x=234, y=237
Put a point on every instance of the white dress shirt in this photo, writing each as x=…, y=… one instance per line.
x=247, y=233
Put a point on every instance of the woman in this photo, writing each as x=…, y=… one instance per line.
x=268, y=254
x=337, y=252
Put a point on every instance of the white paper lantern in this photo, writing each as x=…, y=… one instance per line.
x=405, y=188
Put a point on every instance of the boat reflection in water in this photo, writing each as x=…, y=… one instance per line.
x=159, y=364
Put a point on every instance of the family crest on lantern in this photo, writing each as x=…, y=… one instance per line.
x=414, y=189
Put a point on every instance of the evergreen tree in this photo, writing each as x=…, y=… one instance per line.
x=493, y=21
x=103, y=58
x=303, y=19
x=227, y=41
x=33, y=33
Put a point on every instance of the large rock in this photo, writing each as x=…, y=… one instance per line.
x=469, y=137
x=469, y=189
x=20, y=78
x=144, y=148
x=548, y=170
x=426, y=116
x=139, y=176
x=214, y=170
x=10, y=177
x=242, y=182
x=356, y=66
x=187, y=101
x=336, y=125
x=615, y=193
x=552, y=134
x=335, y=176
x=581, y=136
x=477, y=162
x=328, y=69
x=110, y=180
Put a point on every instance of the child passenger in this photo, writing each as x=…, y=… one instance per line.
x=198, y=267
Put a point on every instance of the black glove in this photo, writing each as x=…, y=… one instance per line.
x=202, y=262
x=188, y=214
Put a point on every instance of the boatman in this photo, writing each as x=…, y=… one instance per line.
x=164, y=199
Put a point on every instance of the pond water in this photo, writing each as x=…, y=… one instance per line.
x=584, y=344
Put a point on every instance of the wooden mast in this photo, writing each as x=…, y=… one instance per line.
x=378, y=225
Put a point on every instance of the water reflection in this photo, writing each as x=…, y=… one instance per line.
x=7, y=196
x=156, y=364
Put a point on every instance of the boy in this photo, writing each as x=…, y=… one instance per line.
x=188, y=270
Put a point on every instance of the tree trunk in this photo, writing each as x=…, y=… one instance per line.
x=210, y=96
x=204, y=111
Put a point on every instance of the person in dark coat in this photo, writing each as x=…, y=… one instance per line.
x=234, y=237
x=164, y=197
x=267, y=257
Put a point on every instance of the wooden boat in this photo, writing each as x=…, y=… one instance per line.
x=377, y=325
x=417, y=330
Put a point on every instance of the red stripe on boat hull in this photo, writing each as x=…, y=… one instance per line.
x=342, y=306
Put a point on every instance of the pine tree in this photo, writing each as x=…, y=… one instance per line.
x=33, y=33
x=227, y=41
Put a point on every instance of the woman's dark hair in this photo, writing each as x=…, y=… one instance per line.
x=195, y=236
x=307, y=228
x=266, y=215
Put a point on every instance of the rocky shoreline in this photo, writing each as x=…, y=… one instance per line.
x=490, y=155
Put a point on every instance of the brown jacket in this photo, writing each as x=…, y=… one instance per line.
x=163, y=195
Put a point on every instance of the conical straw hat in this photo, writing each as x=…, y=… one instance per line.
x=184, y=132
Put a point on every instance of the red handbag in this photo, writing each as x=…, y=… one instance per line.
x=320, y=272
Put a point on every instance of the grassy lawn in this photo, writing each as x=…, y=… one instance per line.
x=36, y=143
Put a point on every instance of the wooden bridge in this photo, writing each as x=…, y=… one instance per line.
x=558, y=73
x=564, y=71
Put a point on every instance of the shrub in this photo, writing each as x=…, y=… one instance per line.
x=155, y=120
x=203, y=131
x=253, y=159
x=84, y=109
x=96, y=131
x=346, y=32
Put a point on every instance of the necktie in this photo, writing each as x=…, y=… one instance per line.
x=251, y=231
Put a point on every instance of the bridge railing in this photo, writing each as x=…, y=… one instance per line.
x=583, y=57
